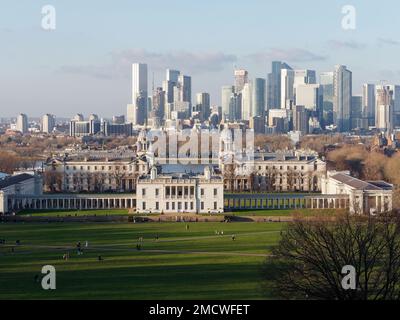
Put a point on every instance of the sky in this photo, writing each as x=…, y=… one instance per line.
x=84, y=65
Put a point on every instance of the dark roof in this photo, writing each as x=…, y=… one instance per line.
x=361, y=185
x=9, y=181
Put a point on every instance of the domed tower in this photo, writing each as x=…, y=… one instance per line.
x=142, y=143
x=226, y=141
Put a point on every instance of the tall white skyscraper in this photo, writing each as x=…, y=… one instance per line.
x=342, y=95
x=247, y=101
x=137, y=111
x=22, y=123
x=287, y=83
x=384, y=108
x=139, y=80
x=48, y=123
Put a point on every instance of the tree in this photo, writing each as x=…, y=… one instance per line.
x=8, y=162
x=308, y=262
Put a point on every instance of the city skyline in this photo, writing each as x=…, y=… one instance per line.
x=86, y=69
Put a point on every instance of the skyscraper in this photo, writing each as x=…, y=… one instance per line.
x=203, y=105
x=137, y=111
x=396, y=104
x=247, y=101
x=241, y=78
x=304, y=76
x=356, y=113
x=48, y=123
x=342, y=93
x=22, y=123
x=172, y=75
x=259, y=97
x=226, y=94
x=300, y=119
x=157, y=108
x=274, y=85
x=384, y=108
x=368, y=104
x=287, y=83
x=183, y=96
x=326, y=82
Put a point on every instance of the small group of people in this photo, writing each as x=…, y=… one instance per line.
x=220, y=233
x=66, y=256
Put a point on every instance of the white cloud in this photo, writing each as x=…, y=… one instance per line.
x=188, y=62
x=288, y=55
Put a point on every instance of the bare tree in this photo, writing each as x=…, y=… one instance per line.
x=308, y=262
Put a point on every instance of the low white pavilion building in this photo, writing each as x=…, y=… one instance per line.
x=368, y=197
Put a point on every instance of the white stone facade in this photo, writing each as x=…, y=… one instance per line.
x=370, y=197
x=93, y=176
x=180, y=193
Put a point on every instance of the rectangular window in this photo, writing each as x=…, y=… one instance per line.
x=192, y=191
x=180, y=191
x=186, y=205
x=191, y=206
x=157, y=206
x=215, y=205
x=143, y=192
x=202, y=192
x=167, y=205
x=179, y=205
x=215, y=191
x=173, y=205
x=157, y=192
x=202, y=205
x=143, y=205
x=168, y=191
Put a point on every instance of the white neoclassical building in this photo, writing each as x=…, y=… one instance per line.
x=20, y=184
x=93, y=175
x=180, y=193
x=368, y=197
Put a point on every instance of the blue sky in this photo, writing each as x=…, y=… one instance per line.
x=83, y=65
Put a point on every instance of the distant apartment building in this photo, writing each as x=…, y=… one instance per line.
x=78, y=127
x=22, y=123
x=48, y=123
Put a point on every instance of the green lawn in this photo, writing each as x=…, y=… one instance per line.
x=283, y=212
x=182, y=264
